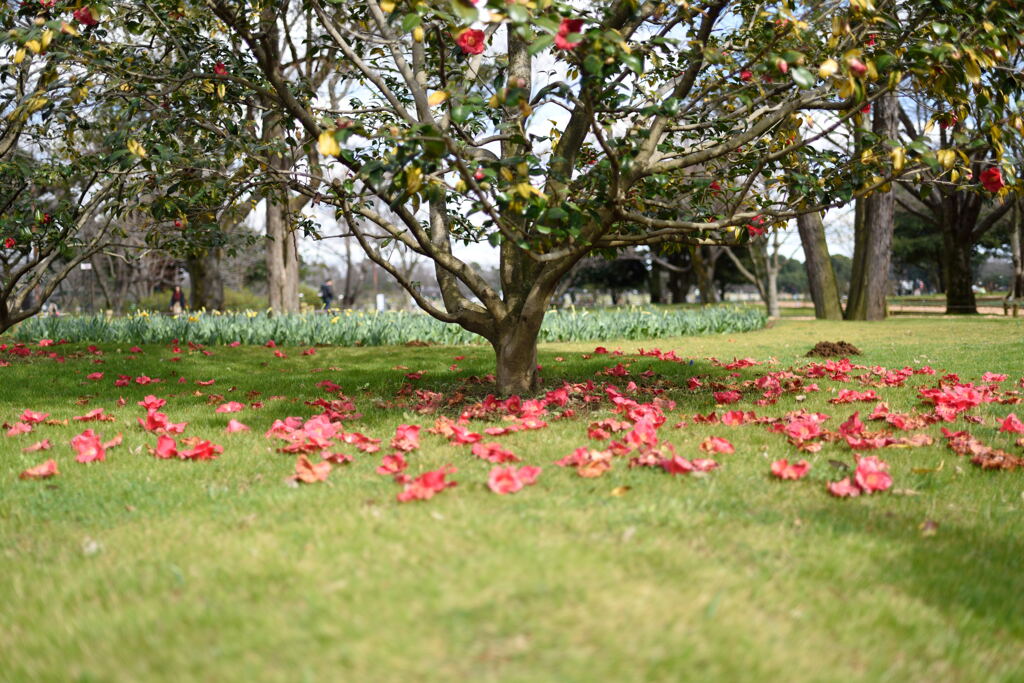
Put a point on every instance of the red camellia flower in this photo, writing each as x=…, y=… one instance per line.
x=220, y=69
x=406, y=438
x=471, y=41
x=746, y=75
x=236, y=426
x=1012, y=424
x=427, y=485
x=504, y=480
x=568, y=26
x=32, y=417
x=392, y=464
x=204, y=450
x=716, y=444
x=872, y=474
x=783, y=469
x=492, y=452
x=856, y=66
x=992, y=179
x=843, y=489
x=9, y=243
x=89, y=446
x=44, y=471
x=85, y=17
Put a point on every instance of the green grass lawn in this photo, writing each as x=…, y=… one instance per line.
x=143, y=569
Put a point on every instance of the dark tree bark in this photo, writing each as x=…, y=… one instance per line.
x=873, y=248
x=204, y=271
x=680, y=278
x=957, y=222
x=656, y=285
x=821, y=276
x=704, y=260
x=1016, y=293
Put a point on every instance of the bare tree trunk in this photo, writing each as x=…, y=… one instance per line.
x=282, y=247
x=282, y=261
x=1016, y=292
x=821, y=277
x=868, y=291
x=704, y=267
x=516, y=351
x=957, y=272
x=207, y=282
x=679, y=278
x=656, y=286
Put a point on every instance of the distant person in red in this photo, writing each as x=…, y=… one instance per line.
x=177, y=300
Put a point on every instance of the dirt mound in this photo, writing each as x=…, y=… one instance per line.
x=825, y=349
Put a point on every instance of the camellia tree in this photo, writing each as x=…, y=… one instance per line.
x=554, y=131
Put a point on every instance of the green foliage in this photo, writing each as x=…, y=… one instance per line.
x=234, y=300
x=355, y=328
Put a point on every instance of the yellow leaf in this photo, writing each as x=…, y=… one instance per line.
x=221, y=90
x=19, y=56
x=437, y=98
x=47, y=37
x=36, y=103
x=946, y=157
x=388, y=6
x=413, y=180
x=494, y=102
x=970, y=67
x=327, y=145
x=137, y=149
x=827, y=68
x=34, y=46
x=67, y=28
x=506, y=174
x=846, y=88
x=620, y=491
x=898, y=159
x=525, y=190
x=417, y=34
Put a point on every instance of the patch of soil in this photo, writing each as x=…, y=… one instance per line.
x=417, y=342
x=825, y=349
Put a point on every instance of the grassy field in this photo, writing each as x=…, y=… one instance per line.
x=144, y=569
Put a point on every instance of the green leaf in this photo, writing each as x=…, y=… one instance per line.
x=541, y=43
x=592, y=64
x=465, y=12
x=802, y=77
x=636, y=64
x=518, y=13
x=410, y=21
x=460, y=113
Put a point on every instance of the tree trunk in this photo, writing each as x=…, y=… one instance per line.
x=1016, y=293
x=282, y=248
x=821, y=276
x=704, y=267
x=516, y=350
x=656, y=285
x=679, y=280
x=282, y=261
x=868, y=291
x=772, y=293
x=207, y=282
x=956, y=269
